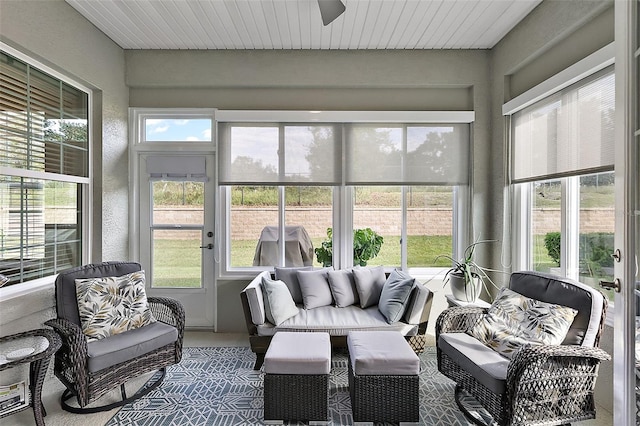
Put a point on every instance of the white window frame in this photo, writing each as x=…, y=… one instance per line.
x=138, y=146
x=342, y=195
x=21, y=289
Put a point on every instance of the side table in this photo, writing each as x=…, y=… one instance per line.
x=38, y=346
x=452, y=301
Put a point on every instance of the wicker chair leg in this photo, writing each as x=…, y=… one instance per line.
x=473, y=419
x=66, y=395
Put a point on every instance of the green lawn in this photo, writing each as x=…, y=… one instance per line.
x=177, y=262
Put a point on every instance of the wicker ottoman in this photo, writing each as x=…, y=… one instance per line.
x=296, y=379
x=383, y=377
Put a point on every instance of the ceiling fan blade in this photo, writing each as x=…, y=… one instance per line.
x=330, y=10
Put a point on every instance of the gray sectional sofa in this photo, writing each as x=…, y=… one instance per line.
x=336, y=302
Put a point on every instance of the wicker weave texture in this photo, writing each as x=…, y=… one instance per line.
x=38, y=364
x=71, y=360
x=384, y=398
x=545, y=384
x=296, y=397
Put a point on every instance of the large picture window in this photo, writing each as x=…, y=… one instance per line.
x=44, y=171
x=296, y=194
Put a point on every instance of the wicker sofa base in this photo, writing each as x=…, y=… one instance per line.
x=296, y=397
x=384, y=398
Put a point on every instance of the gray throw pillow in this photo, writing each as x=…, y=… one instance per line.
x=290, y=277
x=314, y=287
x=369, y=283
x=343, y=287
x=278, y=303
x=395, y=295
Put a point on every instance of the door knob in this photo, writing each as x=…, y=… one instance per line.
x=208, y=246
x=611, y=285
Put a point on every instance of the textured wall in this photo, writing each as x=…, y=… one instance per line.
x=55, y=34
x=552, y=37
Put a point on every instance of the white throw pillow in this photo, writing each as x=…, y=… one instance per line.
x=278, y=303
x=112, y=305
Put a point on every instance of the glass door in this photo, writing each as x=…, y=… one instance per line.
x=176, y=233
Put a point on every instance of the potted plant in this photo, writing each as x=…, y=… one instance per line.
x=366, y=245
x=466, y=277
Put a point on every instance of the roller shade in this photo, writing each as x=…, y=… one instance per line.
x=276, y=154
x=434, y=154
x=177, y=168
x=568, y=133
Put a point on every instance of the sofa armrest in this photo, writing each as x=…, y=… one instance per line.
x=458, y=319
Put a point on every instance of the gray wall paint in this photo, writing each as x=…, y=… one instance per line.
x=333, y=80
x=58, y=36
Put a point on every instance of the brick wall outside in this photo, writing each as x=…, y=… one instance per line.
x=591, y=220
x=247, y=223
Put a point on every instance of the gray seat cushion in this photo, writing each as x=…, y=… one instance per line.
x=483, y=363
x=129, y=345
x=381, y=353
x=298, y=353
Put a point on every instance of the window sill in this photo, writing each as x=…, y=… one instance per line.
x=20, y=290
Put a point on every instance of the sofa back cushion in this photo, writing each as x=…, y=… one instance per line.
x=289, y=275
x=369, y=283
x=589, y=302
x=343, y=287
x=395, y=295
x=419, y=301
x=314, y=286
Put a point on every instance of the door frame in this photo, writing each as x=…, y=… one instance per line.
x=138, y=148
x=626, y=234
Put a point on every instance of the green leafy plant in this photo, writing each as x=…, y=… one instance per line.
x=469, y=270
x=366, y=245
x=552, y=244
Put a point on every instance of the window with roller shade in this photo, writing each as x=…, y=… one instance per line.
x=44, y=171
x=562, y=171
x=286, y=180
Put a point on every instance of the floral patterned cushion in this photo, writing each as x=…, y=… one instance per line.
x=112, y=305
x=514, y=321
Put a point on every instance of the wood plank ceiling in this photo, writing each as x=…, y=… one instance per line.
x=296, y=24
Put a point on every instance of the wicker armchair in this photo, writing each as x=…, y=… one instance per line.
x=90, y=370
x=541, y=385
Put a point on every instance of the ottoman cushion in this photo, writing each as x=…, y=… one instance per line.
x=298, y=353
x=381, y=353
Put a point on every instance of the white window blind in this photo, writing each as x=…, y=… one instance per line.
x=568, y=133
x=177, y=168
x=273, y=154
x=43, y=121
x=435, y=154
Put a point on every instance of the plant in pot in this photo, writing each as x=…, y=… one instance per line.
x=366, y=246
x=466, y=278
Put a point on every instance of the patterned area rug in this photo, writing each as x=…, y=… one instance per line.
x=218, y=386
